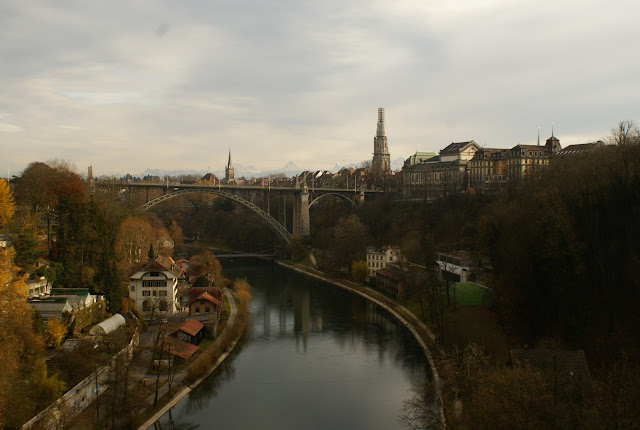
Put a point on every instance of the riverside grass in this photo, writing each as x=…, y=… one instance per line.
x=223, y=343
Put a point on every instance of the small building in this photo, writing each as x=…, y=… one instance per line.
x=191, y=331
x=204, y=304
x=391, y=279
x=460, y=266
x=79, y=298
x=51, y=307
x=107, y=326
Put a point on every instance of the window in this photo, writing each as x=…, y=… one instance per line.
x=197, y=310
x=162, y=293
x=133, y=288
x=146, y=305
x=163, y=305
x=155, y=293
x=146, y=293
x=154, y=284
x=207, y=309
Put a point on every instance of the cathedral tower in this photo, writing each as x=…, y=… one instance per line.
x=381, y=162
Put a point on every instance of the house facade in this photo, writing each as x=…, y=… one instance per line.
x=458, y=266
x=379, y=258
x=488, y=170
x=441, y=175
x=153, y=287
x=204, y=305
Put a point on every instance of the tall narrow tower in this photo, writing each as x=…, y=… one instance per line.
x=381, y=162
x=229, y=171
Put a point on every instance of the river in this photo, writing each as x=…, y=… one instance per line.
x=315, y=357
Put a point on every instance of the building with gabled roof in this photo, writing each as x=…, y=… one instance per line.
x=153, y=287
x=50, y=307
x=204, y=304
x=191, y=331
x=581, y=148
x=378, y=258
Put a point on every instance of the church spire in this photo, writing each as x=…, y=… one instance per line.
x=229, y=171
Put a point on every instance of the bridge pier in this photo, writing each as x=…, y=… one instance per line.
x=301, y=223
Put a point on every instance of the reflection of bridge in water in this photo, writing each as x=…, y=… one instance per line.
x=303, y=199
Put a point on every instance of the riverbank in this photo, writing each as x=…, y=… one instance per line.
x=420, y=331
x=229, y=328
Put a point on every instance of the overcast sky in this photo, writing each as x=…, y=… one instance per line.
x=128, y=86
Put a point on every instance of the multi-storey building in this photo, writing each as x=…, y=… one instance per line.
x=379, y=258
x=442, y=175
x=154, y=287
x=523, y=159
x=488, y=170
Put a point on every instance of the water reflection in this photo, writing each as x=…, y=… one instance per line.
x=314, y=357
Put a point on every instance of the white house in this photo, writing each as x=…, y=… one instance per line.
x=38, y=287
x=154, y=288
x=458, y=266
x=378, y=259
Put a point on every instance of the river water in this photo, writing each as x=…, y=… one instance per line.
x=315, y=357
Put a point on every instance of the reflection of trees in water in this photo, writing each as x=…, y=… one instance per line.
x=199, y=397
x=171, y=424
x=208, y=388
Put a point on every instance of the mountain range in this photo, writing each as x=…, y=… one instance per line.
x=289, y=169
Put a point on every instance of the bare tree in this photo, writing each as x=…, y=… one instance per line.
x=625, y=133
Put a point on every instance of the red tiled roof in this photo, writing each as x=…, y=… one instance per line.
x=205, y=296
x=213, y=291
x=179, y=348
x=190, y=327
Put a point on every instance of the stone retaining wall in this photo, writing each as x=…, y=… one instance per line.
x=79, y=397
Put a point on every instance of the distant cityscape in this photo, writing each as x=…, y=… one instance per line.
x=458, y=167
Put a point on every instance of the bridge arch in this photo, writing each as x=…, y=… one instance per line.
x=279, y=229
x=342, y=196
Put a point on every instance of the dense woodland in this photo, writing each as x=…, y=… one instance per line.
x=562, y=244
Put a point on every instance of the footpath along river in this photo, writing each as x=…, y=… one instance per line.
x=315, y=357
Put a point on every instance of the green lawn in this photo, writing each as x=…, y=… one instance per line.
x=471, y=295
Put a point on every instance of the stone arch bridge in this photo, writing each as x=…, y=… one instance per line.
x=243, y=195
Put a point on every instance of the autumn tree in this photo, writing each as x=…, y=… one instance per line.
x=133, y=239
x=205, y=263
x=298, y=248
x=55, y=332
x=350, y=239
x=19, y=344
x=359, y=271
x=7, y=206
x=175, y=233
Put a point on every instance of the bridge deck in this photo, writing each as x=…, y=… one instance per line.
x=176, y=187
